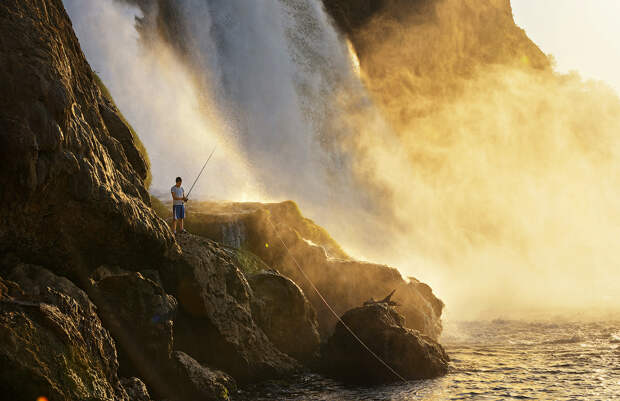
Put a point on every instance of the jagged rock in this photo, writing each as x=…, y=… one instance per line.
x=411, y=354
x=52, y=342
x=136, y=389
x=282, y=311
x=344, y=282
x=140, y=314
x=82, y=199
x=199, y=383
x=215, y=322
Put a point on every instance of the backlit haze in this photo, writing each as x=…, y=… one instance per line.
x=500, y=189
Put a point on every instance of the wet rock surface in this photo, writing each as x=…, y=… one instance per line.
x=282, y=311
x=408, y=352
x=52, y=342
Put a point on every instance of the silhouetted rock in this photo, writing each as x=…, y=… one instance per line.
x=198, y=383
x=52, y=342
x=411, y=354
x=281, y=309
x=215, y=322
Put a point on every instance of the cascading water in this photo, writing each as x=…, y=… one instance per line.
x=264, y=77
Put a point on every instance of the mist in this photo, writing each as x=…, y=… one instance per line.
x=504, y=176
x=484, y=173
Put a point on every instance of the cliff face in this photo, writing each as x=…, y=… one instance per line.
x=417, y=55
x=447, y=34
x=72, y=178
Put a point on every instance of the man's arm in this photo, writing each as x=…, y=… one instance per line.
x=175, y=198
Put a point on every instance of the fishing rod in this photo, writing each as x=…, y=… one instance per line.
x=203, y=167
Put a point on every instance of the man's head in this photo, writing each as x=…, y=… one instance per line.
x=179, y=181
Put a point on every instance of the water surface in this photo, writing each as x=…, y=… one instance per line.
x=494, y=360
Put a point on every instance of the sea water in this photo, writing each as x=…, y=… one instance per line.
x=492, y=360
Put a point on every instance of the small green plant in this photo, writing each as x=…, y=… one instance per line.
x=106, y=93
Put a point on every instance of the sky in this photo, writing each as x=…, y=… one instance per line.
x=582, y=35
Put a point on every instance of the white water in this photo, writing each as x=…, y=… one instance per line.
x=259, y=76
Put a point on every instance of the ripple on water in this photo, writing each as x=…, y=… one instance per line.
x=503, y=360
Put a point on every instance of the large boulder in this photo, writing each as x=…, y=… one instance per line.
x=139, y=313
x=52, y=342
x=282, y=311
x=408, y=352
x=215, y=323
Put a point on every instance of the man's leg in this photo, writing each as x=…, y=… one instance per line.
x=174, y=219
x=181, y=224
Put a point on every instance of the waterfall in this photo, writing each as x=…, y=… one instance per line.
x=265, y=77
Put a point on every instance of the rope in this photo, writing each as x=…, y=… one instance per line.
x=377, y=357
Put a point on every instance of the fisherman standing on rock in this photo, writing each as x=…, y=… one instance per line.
x=178, y=205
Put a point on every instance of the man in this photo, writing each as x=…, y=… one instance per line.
x=178, y=207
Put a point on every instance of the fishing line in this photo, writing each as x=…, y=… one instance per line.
x=377, y=357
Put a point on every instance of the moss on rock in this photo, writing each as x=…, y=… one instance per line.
x=137, y=141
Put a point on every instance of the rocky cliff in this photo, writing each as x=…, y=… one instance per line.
x=417, y=55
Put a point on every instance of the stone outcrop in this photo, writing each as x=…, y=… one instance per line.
x=52, y=342
x=408, y=352
x=344, y=282
x=215, y=323
x=281, y=310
